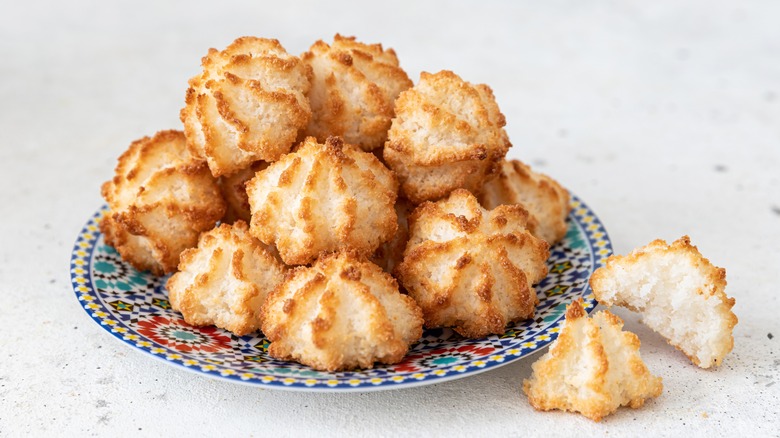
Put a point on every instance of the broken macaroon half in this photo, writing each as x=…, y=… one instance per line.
x=593, y=368
x=678, y=292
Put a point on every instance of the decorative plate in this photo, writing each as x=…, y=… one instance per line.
x=133, y=306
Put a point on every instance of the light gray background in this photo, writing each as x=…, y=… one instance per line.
x=663, y=116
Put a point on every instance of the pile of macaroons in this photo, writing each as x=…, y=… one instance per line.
x=332, y=203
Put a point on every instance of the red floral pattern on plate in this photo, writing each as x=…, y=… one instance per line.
x=177, y=334
x=412, y=361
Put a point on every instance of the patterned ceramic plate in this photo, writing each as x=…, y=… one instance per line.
x=133, y=306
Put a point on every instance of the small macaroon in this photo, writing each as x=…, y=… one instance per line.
x=225, y=280
x=353, y=90
x=248, y=104
x=233, y=189
x=341, y=313
x=160, y=199
x=447, y=134
x=678, y=292
x=472, y=269
x=594, y=367
x=323, y=197
x=542, y=196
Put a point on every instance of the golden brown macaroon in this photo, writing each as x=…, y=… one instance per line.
x=233, y=189
x=390, y=253
x=161, y=198
x=353, y=90
x=446, y=134
x=472, y=269
x=323, y=197
x=593, y=368
x=679, y=294
x=341, y=313
x=542, y=196
x=248, y=104
x=225, y=280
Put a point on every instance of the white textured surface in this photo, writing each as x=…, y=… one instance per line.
x=663, y=116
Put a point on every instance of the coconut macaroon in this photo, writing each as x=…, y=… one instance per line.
x=353, y=90
x=679, y=293
x=390, y=253
x=248, y=104
x=469, y=268
x=593, y=368
x=161, y=198
x=233, y=189
x=341, y=313
x=446, y=134
x=323, y=197
x=542, y=196
x=225, y=280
